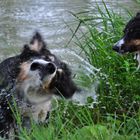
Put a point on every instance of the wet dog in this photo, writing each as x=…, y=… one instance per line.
x=31, y=79
x=130, y=42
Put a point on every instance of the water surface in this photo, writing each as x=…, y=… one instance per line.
x=20, y=18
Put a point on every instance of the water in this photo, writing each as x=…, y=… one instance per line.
x=20, y=18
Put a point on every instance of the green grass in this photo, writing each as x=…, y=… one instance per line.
x=71, y=122
x=119, y=80
x=116, y=116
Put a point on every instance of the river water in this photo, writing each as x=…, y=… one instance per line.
x=20, y=18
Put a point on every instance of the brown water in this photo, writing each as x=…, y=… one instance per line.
x=20, y=18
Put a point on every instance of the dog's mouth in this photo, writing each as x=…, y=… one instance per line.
x=119, y=50
x=48, y=80
x=124, y=47
x=132, y=47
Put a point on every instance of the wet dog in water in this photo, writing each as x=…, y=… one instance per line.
x=130, y=42
x=32, y=78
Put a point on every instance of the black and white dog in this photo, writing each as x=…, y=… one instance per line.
x=130, y=42
x=31, y=79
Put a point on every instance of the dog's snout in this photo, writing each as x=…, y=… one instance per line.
x=50, y=68
x=45, y=68
x=116, y=48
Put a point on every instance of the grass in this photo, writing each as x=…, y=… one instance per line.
x=116, y=116
x=119, y=79
x=71, y=122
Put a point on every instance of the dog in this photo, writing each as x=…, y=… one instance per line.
x=130, y=42
x=30, y=79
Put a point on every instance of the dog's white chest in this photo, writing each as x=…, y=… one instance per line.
x=40, y=104
x=36, y=97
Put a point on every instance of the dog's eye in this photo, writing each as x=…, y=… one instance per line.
x=125, y=30
x=131, y=30
x=35, y=66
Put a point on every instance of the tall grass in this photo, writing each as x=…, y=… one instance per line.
x=116, y=115
x=119, y=80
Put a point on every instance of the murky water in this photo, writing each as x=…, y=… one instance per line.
x=20, y=18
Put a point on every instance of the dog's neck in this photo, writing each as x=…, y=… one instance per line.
x=37, y=96
x=33, y=95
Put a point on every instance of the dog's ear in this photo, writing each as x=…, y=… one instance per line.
x=37, y=43
x=64, y=84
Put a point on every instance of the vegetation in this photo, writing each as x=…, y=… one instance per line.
x=116, y=116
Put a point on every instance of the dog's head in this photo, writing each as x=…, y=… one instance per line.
x=38, y=69
x=130, y=42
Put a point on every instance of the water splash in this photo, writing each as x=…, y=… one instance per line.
x=79, y=66
x=71, y=57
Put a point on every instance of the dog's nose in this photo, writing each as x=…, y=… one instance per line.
x=116, y=48
x=35, y=66
x=50, y=68
x=47, y=68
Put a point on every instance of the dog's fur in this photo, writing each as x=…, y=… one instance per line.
x=130, y=42
x=32, y=78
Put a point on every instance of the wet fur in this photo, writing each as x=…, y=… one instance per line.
x=35, y=102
